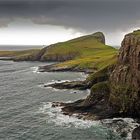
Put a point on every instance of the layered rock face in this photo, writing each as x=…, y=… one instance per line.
x=125, y=79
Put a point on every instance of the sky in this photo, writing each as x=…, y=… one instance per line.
x=43, y=22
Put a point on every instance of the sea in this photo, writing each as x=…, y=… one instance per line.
x=26, y=111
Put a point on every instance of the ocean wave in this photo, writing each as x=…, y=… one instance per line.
x=56, y=81
x=35, y=69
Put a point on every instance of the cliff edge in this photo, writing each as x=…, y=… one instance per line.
x=125, y=79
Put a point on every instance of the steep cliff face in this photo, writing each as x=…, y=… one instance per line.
x=99, y=36
x=125, y=79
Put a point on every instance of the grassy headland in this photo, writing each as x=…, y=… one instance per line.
x=86, y=52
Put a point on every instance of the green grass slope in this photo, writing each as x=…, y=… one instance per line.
x=136, y=33
x=91, y=52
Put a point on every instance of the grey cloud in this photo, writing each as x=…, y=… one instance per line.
x=87, y=15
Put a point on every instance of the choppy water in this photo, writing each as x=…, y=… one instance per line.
x=25, y=106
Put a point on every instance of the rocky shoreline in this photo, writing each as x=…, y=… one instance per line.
x=78, y=85
x=55, y=68
x=126, y=128
x=114, y=92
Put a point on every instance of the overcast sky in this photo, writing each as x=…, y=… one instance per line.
x=48, y=21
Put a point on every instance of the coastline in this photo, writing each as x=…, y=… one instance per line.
x=88, y=116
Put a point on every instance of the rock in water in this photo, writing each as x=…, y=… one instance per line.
x=136, y=134
x=125, y=79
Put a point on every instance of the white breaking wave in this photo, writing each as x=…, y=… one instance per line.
x=56, y=81
x=121, y=125
x=117, y=125
x=35, y=69
x=54, y=115
x=84, y=76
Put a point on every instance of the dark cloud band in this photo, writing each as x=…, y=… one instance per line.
x=88, y=15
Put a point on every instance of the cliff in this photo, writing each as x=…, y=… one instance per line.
x=115, y=90
x=125, y=79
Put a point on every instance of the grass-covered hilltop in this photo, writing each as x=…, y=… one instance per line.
x=86, y=52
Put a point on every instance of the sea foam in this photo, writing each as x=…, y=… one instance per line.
x=55, y=115
x=35, y=69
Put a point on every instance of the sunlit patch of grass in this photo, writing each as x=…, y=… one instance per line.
x=96, y=60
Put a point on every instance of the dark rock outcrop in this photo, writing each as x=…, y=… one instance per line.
x=125, y=79
x=78, y=85
x=100, y=76
x=56, y=68
x=95, y=106
x=136, y=134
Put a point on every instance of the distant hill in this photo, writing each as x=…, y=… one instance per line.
x=87, y=51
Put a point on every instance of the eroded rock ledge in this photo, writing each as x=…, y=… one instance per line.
x=99, y=76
